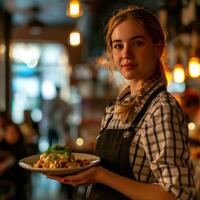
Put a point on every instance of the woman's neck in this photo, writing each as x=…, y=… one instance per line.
x=136, y=86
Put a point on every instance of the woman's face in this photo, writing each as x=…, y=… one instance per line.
x=133, y=51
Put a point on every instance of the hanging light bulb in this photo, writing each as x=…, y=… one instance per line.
x=75, y=38
x=194, y=67
x=74, y=9
x=179, y=73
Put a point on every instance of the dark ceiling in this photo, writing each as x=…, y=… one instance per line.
x=52, y=12
x=96, y=12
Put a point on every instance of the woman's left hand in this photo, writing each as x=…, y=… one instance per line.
x=83, y=178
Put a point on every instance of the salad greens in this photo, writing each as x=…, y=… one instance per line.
x=59, y=150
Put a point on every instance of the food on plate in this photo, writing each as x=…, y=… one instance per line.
x=59, y=156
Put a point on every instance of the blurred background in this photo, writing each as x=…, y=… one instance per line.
x=54, y=70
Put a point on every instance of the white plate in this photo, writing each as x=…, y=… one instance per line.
x=27, y=163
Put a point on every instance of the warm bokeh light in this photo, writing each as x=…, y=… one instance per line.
x=191, y=126
x=74, y=38
x=194, y=67
x=74, y=9
x=179, y=73
x=2, y=48
x=79, y=141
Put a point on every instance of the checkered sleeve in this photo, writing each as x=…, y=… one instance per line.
x=165, y=142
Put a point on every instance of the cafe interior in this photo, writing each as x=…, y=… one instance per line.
x=54, y=69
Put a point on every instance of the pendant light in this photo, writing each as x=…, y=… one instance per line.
x=75, y=38
x=74, y=9
x=179, y=73
x=194, y=67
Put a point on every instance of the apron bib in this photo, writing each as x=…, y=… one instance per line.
x=113, y=148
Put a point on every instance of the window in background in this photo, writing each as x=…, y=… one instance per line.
x=34, y=64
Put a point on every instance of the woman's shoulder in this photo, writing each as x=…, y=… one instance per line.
x=167, y=101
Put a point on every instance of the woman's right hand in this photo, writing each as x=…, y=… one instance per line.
x=91, y=175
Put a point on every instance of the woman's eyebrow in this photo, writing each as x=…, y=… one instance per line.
x=132, y=38
x=138, y=37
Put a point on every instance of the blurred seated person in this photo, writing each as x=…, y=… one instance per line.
x=191, y=106
x=6, y=186
x=3, y=120
x=13, y=143
x=6, y=161
x=30, y=131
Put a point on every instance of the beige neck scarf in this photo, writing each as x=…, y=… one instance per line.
x=126, y=108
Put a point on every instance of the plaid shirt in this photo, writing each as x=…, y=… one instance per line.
x=159, y=151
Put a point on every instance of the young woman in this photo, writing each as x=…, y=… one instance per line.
x=143, y=137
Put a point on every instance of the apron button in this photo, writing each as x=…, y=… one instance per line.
x=97, y=137
x=126, y=134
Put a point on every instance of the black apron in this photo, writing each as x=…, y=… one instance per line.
x=113, y=148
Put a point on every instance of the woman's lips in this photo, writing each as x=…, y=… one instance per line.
x=127, y=66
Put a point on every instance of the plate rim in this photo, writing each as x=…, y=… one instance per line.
x=58, y=171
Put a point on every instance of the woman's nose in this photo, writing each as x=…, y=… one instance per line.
x=127, y=52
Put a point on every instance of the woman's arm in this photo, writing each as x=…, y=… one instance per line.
x=134, y=189
x=166, y=146
x=130, y=188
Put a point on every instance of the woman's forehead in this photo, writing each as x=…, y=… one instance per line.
x=128, y=28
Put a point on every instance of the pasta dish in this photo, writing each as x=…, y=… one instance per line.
x=59, y=157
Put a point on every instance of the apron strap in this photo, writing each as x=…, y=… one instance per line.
x=132, y=128
x=144, y=109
